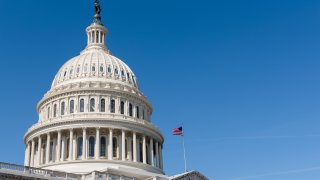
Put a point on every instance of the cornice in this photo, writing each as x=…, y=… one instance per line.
x=141, y=126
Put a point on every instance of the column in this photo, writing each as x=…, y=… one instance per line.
x=48, y=148
x=100, y=40
x=144, y=150
x=27, y=155
x=134, y=147
x=157, y=154
x=74, y=149
x=97, y=145
x=151, y=152
x=63, y=149
x=58, y=147
x=32, y=153
x=160, y=158
x=84, y=144
x=110, y=153
x=39, y=149
x=71, y=145
x=123, y=145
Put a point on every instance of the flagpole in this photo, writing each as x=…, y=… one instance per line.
x=184, y=154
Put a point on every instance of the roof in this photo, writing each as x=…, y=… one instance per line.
x=188, y=175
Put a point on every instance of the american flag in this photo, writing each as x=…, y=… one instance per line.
x=178, y=131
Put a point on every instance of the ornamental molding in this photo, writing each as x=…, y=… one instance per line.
x=130, y=126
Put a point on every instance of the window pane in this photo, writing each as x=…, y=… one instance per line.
x=103, y=105
x=103, y=146
x=55, y=110
x=81, y=105
x=92, y=105
x=63, y=106
x=130, y=109
x=72, y=106
x=137, y=112
x=91, y=146
x=115, y=145
x=80, y=141
x=122, y=107
x=112, y=108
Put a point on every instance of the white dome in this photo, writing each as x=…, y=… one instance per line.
x=95, y=65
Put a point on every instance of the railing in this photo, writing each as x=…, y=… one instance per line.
x=41, y=172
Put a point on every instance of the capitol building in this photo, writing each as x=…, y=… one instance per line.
x=94, y=123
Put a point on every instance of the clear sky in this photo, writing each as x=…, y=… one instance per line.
x=243, y=77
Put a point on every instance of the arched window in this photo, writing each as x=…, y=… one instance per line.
x=109, y=69
x=91, y=146
x=130, y=110
x=71, y=106
x=63, y=106
x=122, y=107
x=143, y=115
x=103, y=105
x=81, y=105
x=137, y=112
x=113, y=106
x=103, y=146
x=116, y=71
x=93, y=68
x=101, y=68
x=48, y=115
x=114, y=148
x=55, y=110
x=80, y=142
x=92, y=105
x=122, y=73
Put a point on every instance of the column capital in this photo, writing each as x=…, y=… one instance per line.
x=71, y=129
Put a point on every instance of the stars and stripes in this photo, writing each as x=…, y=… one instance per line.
x=178, y=131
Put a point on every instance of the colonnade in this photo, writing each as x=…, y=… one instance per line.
x=93, y=144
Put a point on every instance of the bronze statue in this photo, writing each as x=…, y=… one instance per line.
x=97, y=7
x=97, y=17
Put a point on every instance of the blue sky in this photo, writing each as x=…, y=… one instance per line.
x=243, y=77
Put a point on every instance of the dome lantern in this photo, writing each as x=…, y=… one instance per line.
x=96, y=32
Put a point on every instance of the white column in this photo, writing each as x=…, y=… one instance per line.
x=157, y=154
x=151, y=152
x=123, y=145
x=63, y=148
x=58, y=147
x=84, y=144
x=134, y=147
x=39, y=149
x=99, y=37
x=144, y=150
x=32, y=153
x=71, y=145
x=48, y=148
x=110, y=153
x=97, y=145
x=74, y=149
x=27, y=155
